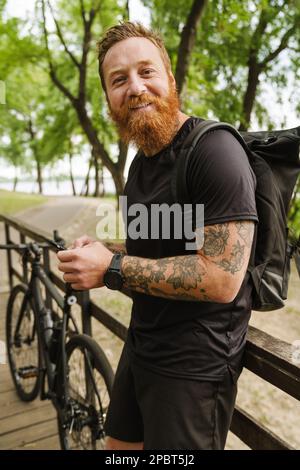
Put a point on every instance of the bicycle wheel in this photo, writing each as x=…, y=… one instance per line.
x=89, y=382
x=22, y=344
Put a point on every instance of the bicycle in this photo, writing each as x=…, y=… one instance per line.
x=43, y=345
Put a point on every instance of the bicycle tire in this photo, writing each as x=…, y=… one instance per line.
x=75, y=433
x=23, y=347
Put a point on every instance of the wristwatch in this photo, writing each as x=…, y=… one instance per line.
x=113, y=278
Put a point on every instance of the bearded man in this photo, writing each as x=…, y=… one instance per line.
x=175, y=385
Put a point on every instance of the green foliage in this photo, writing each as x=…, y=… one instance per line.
x=226, y=38
x=294, y=213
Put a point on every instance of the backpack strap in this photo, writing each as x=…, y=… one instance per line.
x=179, y=187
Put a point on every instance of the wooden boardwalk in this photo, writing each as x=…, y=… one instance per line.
x=23, y=425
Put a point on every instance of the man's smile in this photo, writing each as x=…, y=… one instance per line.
x=140, y=106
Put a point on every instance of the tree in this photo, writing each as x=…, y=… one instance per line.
x=237, y=49
x=24, y=84
x=187, y=42
x=76, y=50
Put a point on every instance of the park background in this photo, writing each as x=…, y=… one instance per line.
x=236, y=61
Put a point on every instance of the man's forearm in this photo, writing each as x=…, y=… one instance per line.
x=180, y=277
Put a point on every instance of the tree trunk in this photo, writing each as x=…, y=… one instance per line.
x=102, y=190
x=39, y=176
x=85, y=187
x=99, y=152
x=79, y=101
x=119, y=184
x=187, y=42
x=15, y=180
x=249, y=97
x=97, y=182
x=71, y=175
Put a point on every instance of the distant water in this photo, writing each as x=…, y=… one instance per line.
x=57, y=188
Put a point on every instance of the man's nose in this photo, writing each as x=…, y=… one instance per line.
x=136, y=86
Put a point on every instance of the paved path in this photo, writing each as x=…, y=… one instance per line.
x=55, y=214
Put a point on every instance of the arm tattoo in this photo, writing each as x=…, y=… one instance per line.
x=177, y=278
x=215, y=240
x=245, y=232
x=236, y=260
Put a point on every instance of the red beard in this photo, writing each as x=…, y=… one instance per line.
x=148, y=130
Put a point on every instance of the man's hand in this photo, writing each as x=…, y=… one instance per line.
x=82, y=241
x=84, y=266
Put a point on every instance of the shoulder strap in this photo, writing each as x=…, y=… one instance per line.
x=179, y=188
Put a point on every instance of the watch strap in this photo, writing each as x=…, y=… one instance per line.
x=115, y=264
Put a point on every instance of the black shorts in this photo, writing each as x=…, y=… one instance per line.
x=169, y=413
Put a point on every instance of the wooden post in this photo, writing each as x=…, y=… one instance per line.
x=9, y=257
x=25, y=267
x=46, y=264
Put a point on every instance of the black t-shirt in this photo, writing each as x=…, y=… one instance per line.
x=197, y=340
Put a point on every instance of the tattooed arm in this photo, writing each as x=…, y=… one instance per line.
x=214, y=274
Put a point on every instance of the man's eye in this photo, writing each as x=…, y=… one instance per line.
x=118, y=80
x=147, y=71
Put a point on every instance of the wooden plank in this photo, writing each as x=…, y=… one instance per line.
x=254, y=434
x=10, y=405
x=7, y=386
x=36, y=234
x=47, y=443
x=271, y=359
x=6, y=382
x=21, y=437
x=25, y=419
x=273, y=349
x=6, y=398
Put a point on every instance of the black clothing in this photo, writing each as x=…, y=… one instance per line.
x=169, y=413
x=184, y=339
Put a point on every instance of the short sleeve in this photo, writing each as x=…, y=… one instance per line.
x=220, y=177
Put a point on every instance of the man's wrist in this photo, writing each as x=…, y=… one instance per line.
x=113, y=278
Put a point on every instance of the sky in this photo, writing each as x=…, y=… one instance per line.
x=138, y=12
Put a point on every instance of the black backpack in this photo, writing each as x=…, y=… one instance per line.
x=274, y=158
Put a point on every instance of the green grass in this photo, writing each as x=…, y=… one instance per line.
x=12, y=202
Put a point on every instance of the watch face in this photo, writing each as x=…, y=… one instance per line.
x=113, y=280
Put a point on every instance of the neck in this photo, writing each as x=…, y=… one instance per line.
x=181, y=118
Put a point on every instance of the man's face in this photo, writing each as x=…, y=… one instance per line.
x=141, y=94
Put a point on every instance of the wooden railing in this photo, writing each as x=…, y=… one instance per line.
x=265, y=356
